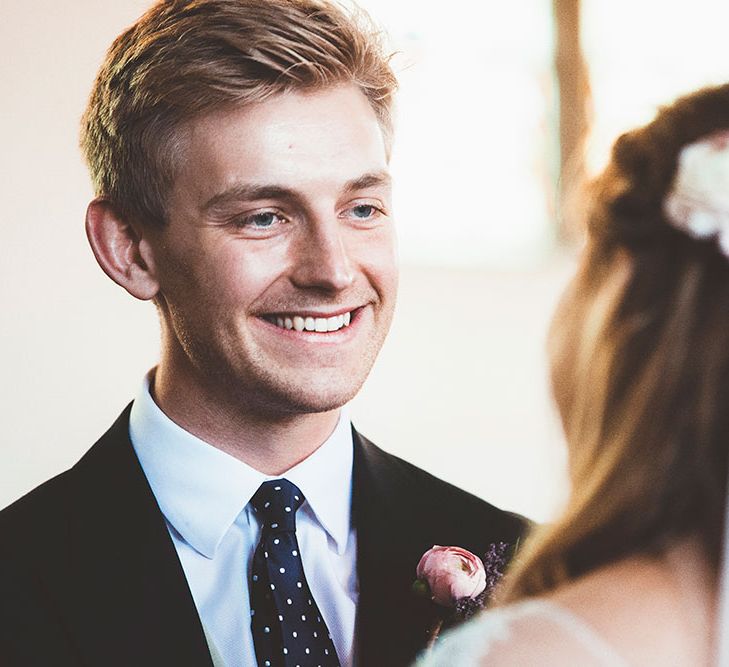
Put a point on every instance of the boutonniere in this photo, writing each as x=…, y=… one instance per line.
x=458, y=582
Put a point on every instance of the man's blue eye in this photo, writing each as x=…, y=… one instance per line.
x=363, y=211
x=264, y=219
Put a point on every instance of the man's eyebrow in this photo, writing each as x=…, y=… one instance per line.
x=247, y=192
x=252, y=192
x=371, y=180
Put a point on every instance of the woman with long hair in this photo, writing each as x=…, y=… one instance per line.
x=639, y=353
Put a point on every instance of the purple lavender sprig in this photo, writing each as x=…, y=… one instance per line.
x=494, y=562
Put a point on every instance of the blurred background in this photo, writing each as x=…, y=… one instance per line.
x=502, y=108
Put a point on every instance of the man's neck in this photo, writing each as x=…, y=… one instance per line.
x=271, y=443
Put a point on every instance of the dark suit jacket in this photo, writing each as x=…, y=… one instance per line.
x=89, y=574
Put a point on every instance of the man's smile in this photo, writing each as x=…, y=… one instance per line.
x=307, y=322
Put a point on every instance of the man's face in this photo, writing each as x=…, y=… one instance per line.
x=277, y=269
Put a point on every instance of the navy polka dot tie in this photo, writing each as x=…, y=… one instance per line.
x=287, y=626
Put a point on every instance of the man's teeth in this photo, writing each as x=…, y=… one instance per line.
x=319, y=324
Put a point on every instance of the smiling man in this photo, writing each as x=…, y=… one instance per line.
x=232, y=515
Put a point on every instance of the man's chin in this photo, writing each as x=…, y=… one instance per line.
x=314, y=397
x=318, y=402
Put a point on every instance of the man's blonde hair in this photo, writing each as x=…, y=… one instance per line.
x=184, y=58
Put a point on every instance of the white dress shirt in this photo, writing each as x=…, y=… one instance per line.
x=204, y=493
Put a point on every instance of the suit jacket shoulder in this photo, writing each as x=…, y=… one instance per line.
x=88, y=571
x=432, y=500
x=400, y=512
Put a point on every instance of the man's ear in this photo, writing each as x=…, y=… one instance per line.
x=121, y=250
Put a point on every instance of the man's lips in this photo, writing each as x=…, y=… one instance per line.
x=312, y=321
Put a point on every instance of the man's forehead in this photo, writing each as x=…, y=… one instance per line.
x=327, y=140
x=289, y=116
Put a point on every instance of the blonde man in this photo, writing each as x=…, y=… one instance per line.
x=239, y=151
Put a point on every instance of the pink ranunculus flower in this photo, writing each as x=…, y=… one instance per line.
x=452, y=573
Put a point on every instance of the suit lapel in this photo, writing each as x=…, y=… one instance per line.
x=132, y=602
x=392, y=622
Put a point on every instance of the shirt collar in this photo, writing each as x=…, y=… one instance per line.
x=201, y=490
x=325, y=478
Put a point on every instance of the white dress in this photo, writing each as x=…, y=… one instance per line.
x=549, y=635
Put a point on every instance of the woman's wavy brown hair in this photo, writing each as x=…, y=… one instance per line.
x=640, y=368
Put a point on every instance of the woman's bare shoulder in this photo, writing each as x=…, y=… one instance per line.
x=654, y=610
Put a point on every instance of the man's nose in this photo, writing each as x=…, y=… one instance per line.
x=322, y=259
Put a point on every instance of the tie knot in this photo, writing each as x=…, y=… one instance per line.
x=275, y=503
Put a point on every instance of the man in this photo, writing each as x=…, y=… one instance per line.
x=239, y=151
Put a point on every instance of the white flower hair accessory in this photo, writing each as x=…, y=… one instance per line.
x=698, y=202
